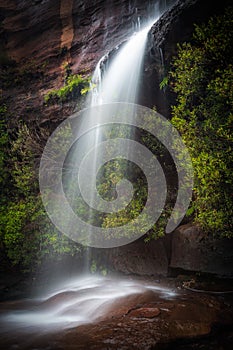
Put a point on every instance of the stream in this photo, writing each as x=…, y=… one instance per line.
x=116, y=312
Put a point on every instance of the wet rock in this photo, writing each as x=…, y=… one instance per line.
x=133, y=322
x=138, y=258
x=147, y=312
x=188, y=329
x=195, y=251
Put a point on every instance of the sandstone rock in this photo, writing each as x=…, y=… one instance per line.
x=179, y=329
x=147, y=312
x=82, y=30
x=52, y=33
x=195, y=251
x=138, y=258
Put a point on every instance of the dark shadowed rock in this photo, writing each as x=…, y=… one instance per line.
x=195, y=251
x=140, y=258
x=175, y=26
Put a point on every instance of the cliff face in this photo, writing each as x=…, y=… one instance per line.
x=175, y=26
x=82, y=30
x=41, y=36
x=30, y=29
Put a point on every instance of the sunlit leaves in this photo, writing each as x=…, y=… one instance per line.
x=75, y=85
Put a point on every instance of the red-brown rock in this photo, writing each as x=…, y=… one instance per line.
x=147, y=312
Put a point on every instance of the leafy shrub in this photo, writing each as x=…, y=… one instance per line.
x=74, y=86
x=202, y=77
x=4, y=143
x=26, y=233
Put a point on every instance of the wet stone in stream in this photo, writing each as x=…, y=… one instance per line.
x=119, y=314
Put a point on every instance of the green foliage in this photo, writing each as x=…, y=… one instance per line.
x=96, y=267
x=202, y=77
x=74, y=86
x=93, y=267
x=163, y=83
x=26, y=233
x=4, y=141
x=116, y=170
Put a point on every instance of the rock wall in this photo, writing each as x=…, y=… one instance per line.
x=188, y=248
x=175, y=26
x=81, y=30
x=30, y=29
x=138, y=258
x=55, y=32
x=195, y=251
x=42, y=36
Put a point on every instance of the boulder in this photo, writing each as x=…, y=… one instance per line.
x=140, y=258
x=194, y=250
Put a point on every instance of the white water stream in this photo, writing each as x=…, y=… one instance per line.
x=114, y=80
x=120, y=81
x=81, y=300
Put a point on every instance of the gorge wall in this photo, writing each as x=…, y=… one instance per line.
x=39, y=38
x=175, y=26
x=42, y=36
x=81, y=30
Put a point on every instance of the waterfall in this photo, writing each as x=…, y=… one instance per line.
x=115, y=83
x=120, y=81
x=161, y=57
x=97, y=199
x=116, y=79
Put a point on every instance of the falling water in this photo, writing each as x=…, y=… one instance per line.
x=115, y=79
x=120, y=82
x=85, y=299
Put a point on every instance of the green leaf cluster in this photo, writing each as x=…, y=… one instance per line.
x=4, y=143
x=27, y=236
x=75, y=86
x=202, y=78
